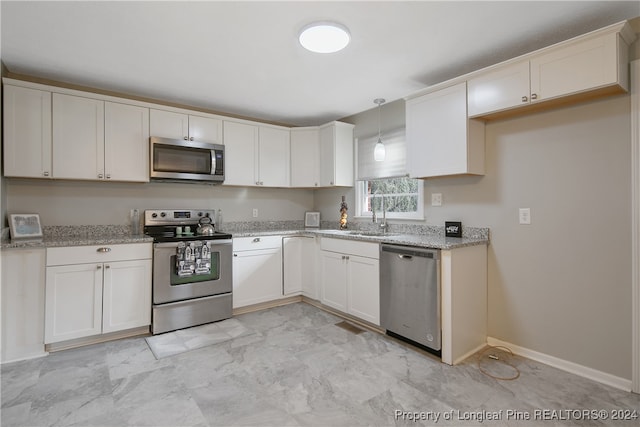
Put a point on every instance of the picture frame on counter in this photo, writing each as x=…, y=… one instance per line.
x=312, y=219
x=25, y=226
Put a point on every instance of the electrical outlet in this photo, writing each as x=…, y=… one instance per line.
x=436, y=199
x=525, y=216
x=255, y=213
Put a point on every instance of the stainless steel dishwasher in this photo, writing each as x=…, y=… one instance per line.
x=410, y=295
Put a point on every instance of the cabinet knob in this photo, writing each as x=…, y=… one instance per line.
x=330, y=182
x=108, y=176
x=103, y=250
x=45, y=173
x=316, y=184
x=534, y=96
x=235, y=254
x=525, y=99
x=107, y=266
x=100, y=175
x=256, y=240
x=191, y=139
x=99, y=267
x=186, y=138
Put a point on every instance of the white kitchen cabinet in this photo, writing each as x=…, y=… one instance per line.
x=73, y=302
x=579, y=67
x=126, y=295
x=78, y=137
x=169, y=124
x=256, y=155
x=336, y=155
x=27, y=132
x=273, y=157
x=350, y=278
x=441, y=140
x=305, y=157
x=299, y=273
x=334, y=280
x=23, y=278
x=126, y=142
x=98, y=140
x=91, y=290
x=257, y=270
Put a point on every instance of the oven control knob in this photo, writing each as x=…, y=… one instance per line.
x=162, y=214
x=154, y=215
x=199, y=213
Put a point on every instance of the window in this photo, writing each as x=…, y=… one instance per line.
x=403, y=197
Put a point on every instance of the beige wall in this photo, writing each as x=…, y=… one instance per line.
x=90, y=203
x=562, y=285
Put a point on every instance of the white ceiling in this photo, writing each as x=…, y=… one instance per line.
x=243, y=57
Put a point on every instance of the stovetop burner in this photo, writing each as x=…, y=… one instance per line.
x=178, y=225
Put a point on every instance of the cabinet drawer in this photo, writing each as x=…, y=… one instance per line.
x=259, y=242
x=352, y=247
x=98, y=253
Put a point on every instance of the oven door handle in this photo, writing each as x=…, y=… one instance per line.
x=175, y=244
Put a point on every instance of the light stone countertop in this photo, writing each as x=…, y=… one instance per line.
x=426, y=240
x=419, y=236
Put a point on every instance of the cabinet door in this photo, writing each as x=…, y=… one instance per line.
x=205, y=129
x=305, y=157
x=440, y=140
x=27, y=132
x=273, y=157
x=327, y=156
x=23, y=278
x=364, y=288
x=241, y=146
x=78, y=137
x=126, y=133
x=299, y=266
x=73, y=302
x=168, y=124
x=334, y=280
x=343, y=161
x=126, y=295
x=500, y=89
x=257, y=276
x=575, y=68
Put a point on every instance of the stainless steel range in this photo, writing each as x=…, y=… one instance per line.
x=192, y=272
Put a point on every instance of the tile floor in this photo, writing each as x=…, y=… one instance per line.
x=295, y=368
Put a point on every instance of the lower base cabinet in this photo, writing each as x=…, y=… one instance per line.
x=257, y=270
x=299, y=260
x=22, y=312
x=111, y=293
x=350, y=278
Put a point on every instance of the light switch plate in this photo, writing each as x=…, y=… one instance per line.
x=436, y=199
x=525, y=216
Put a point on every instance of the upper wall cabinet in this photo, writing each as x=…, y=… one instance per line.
x=305, y=157
x=27, y=132
x=441, y=140
x=585, y=67
x=99, y=140
x=336, y=155
x=256, y=155
x=169, y=124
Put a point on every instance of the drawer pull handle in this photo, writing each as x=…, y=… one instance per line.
x=99, y=267
x=103, y=250
x=256, y=240
x=534, y=96
x=107, y=266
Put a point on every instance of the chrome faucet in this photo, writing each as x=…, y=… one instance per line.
x=383, y=225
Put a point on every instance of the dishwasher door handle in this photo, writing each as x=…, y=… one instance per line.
x=405, y=257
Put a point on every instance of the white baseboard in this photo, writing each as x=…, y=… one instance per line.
x=565, y=365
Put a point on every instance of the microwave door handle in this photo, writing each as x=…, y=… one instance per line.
x=213, y=162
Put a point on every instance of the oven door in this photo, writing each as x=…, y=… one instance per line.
x=170, y=286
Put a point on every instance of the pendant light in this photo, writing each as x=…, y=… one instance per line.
x=379, y=151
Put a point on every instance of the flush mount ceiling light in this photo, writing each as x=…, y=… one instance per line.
x=379, y=152
x=324, y=37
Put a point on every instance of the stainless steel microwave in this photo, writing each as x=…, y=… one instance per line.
x=181, y=160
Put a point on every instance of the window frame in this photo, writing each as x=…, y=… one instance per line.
x=361, y=194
